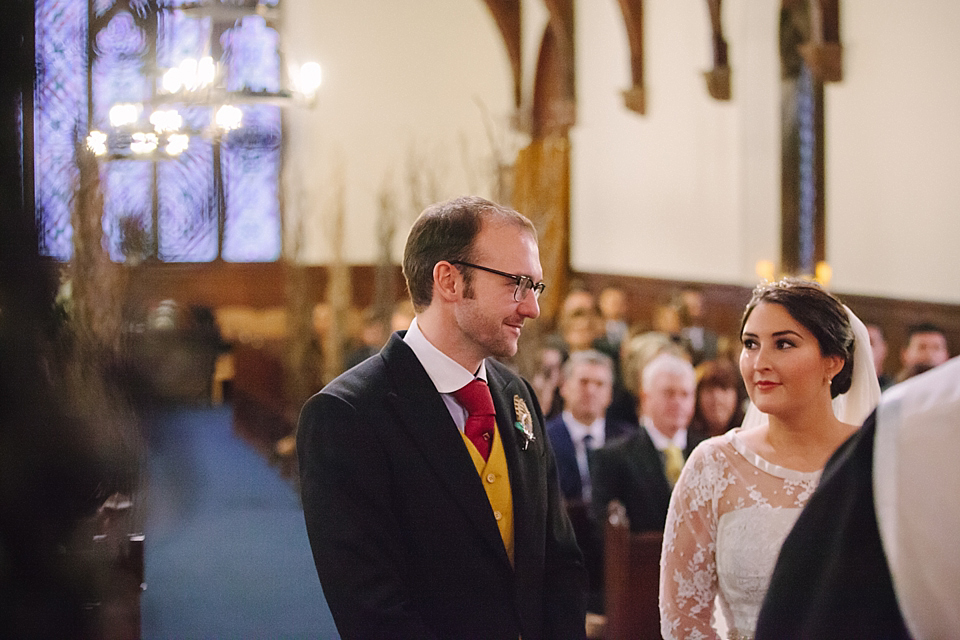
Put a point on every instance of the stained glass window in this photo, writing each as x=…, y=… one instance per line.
x=218, y=199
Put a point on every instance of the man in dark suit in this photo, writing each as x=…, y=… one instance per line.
x=641, y=469
x=874, y=553
x=586, y=389
x=426, y=519
x=574, y=434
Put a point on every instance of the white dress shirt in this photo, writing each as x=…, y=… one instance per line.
x=661, y=441
x=578, y=431
x=446, y=374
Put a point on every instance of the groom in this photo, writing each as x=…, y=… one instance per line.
x=429, y=489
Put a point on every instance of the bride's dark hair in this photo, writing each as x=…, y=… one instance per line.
x=821, y=313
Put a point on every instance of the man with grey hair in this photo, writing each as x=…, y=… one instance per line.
x=581, y=428
x=640, y=471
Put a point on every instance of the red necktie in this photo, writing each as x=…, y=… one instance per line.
x=476, y=399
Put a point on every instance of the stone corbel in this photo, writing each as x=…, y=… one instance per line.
x=823, y=53
x=718, y=78
x=634, y=98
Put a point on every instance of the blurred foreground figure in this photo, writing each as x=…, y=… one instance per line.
x=876, y=553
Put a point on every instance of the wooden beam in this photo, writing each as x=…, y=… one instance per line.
x=506, y=14
x=634, y=97
x=718, y=78
x=823, y=52
x=802, y=232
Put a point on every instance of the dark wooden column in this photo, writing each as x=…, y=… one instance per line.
x=807, y=60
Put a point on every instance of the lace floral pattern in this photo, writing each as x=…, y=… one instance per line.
x=729, y=514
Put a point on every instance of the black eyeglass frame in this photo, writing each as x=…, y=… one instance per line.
x=524, y=283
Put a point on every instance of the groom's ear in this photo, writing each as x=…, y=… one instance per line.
x=448, y=281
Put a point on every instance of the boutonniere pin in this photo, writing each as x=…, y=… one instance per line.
x=524, y=422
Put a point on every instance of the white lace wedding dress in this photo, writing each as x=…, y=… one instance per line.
x=729, y=514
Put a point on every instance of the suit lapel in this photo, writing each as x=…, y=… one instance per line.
x=652, y=461
x=566, y=455
x=422, y=413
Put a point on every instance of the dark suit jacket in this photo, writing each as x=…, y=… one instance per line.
x=631, y=470
x=832, y=579
x=402, y=532
x=571, y=485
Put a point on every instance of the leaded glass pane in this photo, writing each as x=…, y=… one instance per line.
x=118, y=69
x=188, y=208
x=60, y=117
x=127, y=207
x=166, y=208
x=182, y=36
x=251, y=169
x=250, y=52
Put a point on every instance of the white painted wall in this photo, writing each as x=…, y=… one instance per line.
x=399, y=77
x=691, y=190
x=893, y=154
x=688, y=191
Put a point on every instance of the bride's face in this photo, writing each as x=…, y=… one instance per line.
x=781, y=362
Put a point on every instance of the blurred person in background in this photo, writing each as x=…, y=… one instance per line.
x=926, y=348
x=699, y=340
x=719, y=396
x=878, y=345
x=641, y=469
x=547, y=376
x=635, y=354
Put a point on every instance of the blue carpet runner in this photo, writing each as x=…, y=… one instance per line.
x=227, y=554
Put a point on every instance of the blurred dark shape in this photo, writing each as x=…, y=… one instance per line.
x=58, y=463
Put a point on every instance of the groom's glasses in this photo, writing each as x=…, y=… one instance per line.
x=525, y=284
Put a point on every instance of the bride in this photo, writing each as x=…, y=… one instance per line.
x=808, y=369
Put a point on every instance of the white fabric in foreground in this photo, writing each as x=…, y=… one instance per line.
x=916, y=483
x=854, y=406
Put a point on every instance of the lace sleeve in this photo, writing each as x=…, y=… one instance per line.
x=688, y=568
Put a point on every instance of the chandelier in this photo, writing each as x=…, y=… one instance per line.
x=202, y=61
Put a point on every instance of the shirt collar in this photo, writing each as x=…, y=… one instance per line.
x=446, y=374
x=578, y=430
x=661, y=441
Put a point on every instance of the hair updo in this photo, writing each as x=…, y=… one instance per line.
x=821, y=313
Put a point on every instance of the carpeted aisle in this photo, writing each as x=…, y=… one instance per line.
x=227, y=554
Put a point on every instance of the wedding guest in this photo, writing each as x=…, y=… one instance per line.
x=926, y=348
x=582, y=427
x=635, y=354
x=698, y=339
x=878, y=345
x=740, y=493
x=641, y=469
x=429, y=491
x=613, y=309
x=718, y=401
x=875, y=553
x=547, y=376
x=575, y=435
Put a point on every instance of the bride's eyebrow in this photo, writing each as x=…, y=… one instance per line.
x=775, y=334
x=786, y=332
